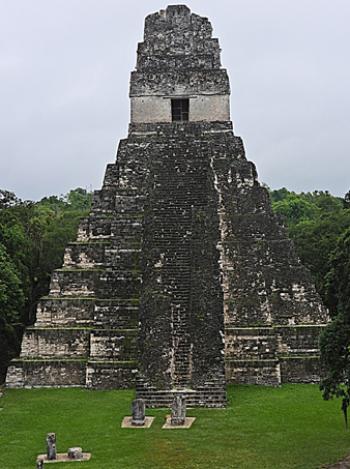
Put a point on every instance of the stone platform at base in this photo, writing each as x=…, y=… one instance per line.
x=127, y=423
x=63, y=457
x=210, y=395
x=188, y=423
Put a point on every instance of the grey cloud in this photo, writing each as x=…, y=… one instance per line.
x=64, y=71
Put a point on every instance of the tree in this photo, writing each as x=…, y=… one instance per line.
x=295, y=209
x=335, y=341
x=347, y=200
x=11, y=304
x=79, y=199
x=7, y=199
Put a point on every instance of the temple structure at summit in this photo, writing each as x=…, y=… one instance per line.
x=181, y=279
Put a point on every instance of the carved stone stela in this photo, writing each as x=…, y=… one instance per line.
x=178, y=419
x=51, y=446
x=181, y=278
x=178, y=410
x=138, y=412
x=138, y=418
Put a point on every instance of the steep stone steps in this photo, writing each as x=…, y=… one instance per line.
x=207, y=396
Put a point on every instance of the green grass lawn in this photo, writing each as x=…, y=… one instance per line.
x=287, y=427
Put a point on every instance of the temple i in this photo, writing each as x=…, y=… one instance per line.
x=181, y=279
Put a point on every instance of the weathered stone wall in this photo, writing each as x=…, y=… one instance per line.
x=299, y=339
x=113, y=344
x=285, y=353
x=150, y=109
x=250, y=371
x=117, y=313
x=73, y=282
x=201, y=108
x=46, y=373
x=210, y=108
x=166, y=82
x=304, y=369
x=109, y=375
x=55, y=342
x=251, y=343
x=53, y=312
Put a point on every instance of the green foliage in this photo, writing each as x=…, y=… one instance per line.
x=79, y=199
x=295, y=209
x=335, y=341
x=338, y=277
x=11, y=294
x=315, y=221
x=11, y=304
x=335, y=351
x=9, y=345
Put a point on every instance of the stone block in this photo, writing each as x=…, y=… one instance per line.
x=75, y=453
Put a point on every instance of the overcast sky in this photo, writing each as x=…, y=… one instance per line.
x=64, y=78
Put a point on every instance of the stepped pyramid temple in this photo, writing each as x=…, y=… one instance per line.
x=181, y=279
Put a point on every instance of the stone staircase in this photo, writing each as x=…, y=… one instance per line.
x=177, y=190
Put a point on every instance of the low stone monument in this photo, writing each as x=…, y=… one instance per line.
x=138, y=418
x=51, y=446
x=178, y=410
x=138, y=412
x=178, y=418
x=75, y=453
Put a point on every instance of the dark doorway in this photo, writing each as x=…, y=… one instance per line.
x=180, y=109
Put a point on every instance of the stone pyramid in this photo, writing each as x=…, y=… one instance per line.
x=181, y=279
